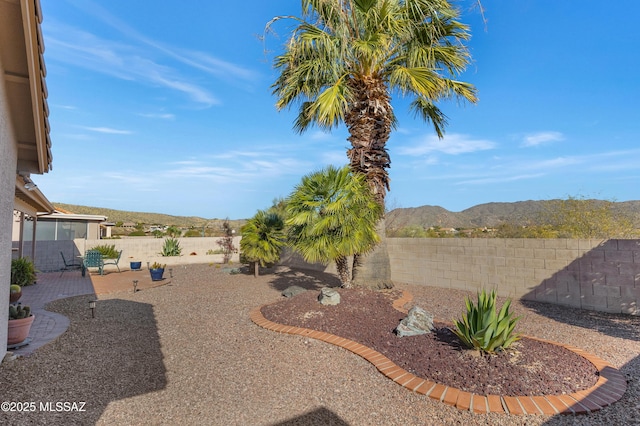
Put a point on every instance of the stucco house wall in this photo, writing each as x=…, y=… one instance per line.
x=8, y=161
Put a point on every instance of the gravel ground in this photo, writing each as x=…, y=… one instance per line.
x=187, y=353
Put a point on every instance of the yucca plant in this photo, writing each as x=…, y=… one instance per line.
x=171, y=247
x=485, y=330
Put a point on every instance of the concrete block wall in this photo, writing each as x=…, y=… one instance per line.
x=139, y=249
x=601, y=275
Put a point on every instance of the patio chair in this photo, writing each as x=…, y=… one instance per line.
x=114, y=261
x=68, y=266
x=92, y=259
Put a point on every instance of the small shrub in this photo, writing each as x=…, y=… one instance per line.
x=171, y=247
x=137, y=234
x=23, y=272
x=484, y=330
x=156, y=265
x=217, y=251
x=107, y=251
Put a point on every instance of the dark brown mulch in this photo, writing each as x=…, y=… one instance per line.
x=530, y=367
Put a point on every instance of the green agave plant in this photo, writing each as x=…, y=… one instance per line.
x=485, y=330
x=171, y=247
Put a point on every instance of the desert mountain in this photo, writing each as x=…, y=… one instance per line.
x=489, y=215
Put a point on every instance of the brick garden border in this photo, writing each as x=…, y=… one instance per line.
x=609, y=388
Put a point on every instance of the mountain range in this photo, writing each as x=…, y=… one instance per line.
x=488, y=215
x=482, y=215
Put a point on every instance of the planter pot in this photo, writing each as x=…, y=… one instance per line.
x=135, y=266
x=14, y=297
x=18, y=330
x=156, y=274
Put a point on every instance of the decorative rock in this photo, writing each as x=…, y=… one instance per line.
x=292, y=291
x=417, y=322
x=329, y=296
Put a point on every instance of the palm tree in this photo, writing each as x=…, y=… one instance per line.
x=262, y=239
x=346, y=58
x=332, y=215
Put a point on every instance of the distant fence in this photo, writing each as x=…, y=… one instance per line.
x=601, y=275
x=141, y=249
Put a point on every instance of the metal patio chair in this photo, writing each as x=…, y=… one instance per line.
x=114, y=261
x=92, y=259
x=70, y=265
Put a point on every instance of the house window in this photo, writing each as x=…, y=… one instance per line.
x=56, y=230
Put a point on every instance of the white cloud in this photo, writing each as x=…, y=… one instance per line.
x=541, y=138
x=452, y=144
x=165, y=116
x=108, y=130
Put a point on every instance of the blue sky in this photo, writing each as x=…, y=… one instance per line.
x=166, y=107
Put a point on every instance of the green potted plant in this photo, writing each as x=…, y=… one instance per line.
x=15, y=293
x=23, y=272
x=19, y=325
x=156, y=270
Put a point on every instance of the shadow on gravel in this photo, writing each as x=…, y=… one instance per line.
x=114, y=356
x=616, y=325
x=320, y=416
x=307, y=279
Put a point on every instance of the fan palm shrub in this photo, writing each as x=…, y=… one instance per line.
x=263, y=238
x=332, y=214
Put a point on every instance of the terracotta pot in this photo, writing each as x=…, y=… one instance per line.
x=14, y=297
x=18, y=329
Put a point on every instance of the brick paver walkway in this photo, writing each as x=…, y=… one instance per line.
x=51, y=286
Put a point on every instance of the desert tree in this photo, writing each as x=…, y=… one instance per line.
x=344, y=61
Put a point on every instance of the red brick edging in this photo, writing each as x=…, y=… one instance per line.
x=609, y=388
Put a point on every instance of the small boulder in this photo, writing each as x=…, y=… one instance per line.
x=292, y=291
x=417, y=322
x=329, y=296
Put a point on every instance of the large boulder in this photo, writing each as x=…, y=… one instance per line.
x=329, y=296
x=418, y=321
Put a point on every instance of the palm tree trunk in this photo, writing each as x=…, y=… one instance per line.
x=369, y=121
x=342, y=265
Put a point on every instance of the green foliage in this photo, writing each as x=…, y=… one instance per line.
x=19, y=311
x=174, y=231
x=23, y=272
x=137, y=234
x=171, y=247
x=578, y=217
x=107, y=251
x=156, y=265
x=263, y=238
x=332, y=215
x=506, y=230
x=484, y=330
x=193, y=233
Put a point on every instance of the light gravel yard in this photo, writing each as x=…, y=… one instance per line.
x=187, y=353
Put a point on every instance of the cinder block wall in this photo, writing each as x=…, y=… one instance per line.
x=133, y=249
x=602, y=275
